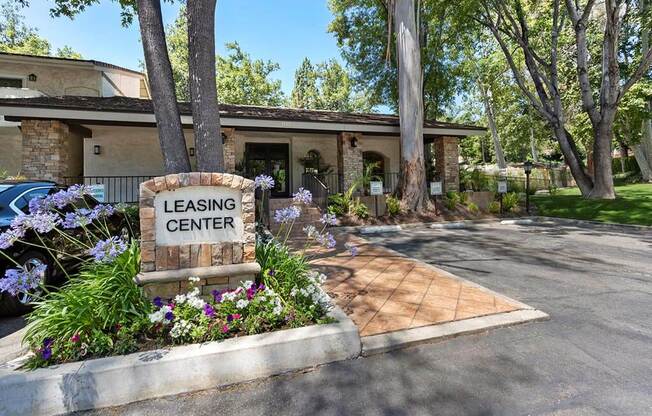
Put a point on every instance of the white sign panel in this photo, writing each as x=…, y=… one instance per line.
x=97, y=192
x=376, y=187
x=198, y=214
x=502, y=187
x=435, y=188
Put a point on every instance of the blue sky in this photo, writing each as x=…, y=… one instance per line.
x=284, y=31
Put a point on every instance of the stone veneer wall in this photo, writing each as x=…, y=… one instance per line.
x=349, y=159
x=52, y=150
x=229, y=150
x=447, y=162
x=162, y=258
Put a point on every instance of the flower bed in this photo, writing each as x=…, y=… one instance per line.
x=101, y=311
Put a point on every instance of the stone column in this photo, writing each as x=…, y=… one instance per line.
x=52, y=150
x=447, y=162
x=229, y=149
x=349, y=159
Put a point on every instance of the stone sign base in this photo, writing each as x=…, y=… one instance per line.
x=222, y=254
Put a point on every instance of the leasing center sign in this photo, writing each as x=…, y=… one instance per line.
x=198, y=214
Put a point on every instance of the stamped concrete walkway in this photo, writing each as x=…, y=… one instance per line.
x=383, y=291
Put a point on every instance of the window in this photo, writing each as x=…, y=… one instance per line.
x=378, y=161
x=22, y=203
x=11, y=82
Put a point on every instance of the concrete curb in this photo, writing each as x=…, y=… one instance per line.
x=120, y=380
x=377, y=344
x=373, y=229
x=11, y=346
x=593, y=224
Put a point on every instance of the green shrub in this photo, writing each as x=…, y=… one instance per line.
x=95, y=305
x=338, y=204
x=630, y=165
x=494, y=207
x=451, y=200
x=360, y=210
x=393, y=205
x=463, y=198
x=473, y=208
x=510, y=201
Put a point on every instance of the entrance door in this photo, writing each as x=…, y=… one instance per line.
x=272, y=159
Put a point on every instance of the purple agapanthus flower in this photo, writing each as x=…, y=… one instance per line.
x=353, y=249
x=326, y=239
x=328, y=219
x=264, y=182
x=303, y=196
x=288, y=214
x=158, y=302
x=107, y=250
x=102, y=211
x=19, y=280
x=40, y=204
x=209, y=311
x=41, y=222
x=78, y=218
x=9, y=237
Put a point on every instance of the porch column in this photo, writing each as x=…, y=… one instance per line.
x=349, y=159
x=229, y=149
x=447, y=162
x=52, y=150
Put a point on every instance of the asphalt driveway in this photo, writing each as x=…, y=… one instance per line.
x=594, y=357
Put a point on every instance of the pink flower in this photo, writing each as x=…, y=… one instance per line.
x=75, y=338
x=225, y=329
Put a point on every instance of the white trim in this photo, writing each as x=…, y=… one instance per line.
x=108, y=116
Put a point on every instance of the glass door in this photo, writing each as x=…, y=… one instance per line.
x=272, y=159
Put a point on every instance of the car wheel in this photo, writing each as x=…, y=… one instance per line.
x=18, y=305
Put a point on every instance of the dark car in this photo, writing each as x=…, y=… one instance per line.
x=14, y=200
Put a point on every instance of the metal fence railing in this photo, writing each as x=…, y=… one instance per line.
x=334, y=182
x=111, y=189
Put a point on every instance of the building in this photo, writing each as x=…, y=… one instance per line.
x=34, y=76
x=111, y=140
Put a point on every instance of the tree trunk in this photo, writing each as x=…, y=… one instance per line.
x=643, y=151
x=644, y=162
x=567, y=146
x=412, y=187
x=161, y=83
x=623, y=157
x=603, y=180
x=489, y=111
x=203, y=88
x=533, y=144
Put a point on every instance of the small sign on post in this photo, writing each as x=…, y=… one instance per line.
x=97, y=192
x=436, y=189
x=502, y=187
x=376, y=189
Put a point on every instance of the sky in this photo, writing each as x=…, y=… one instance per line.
x=284, y=31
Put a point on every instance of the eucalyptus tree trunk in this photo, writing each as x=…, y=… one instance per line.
x=533, y=144
x=161, y=84
x=489, y=111
x=203, y=88
x=643, y=150
x=412, y=188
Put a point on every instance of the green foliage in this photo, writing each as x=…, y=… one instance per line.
x=360, y=210
x=240, y=79
x=342, y=203
x=451, y=200
x=393, y=205
x=494, y=207
x=103, y=296
x=630, y=165
x=473, y=208
x=326, y=86
x=510, y=201
x=463, y=198
x=18, y=37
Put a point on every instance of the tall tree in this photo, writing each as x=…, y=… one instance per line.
x=509, y=23
x=159, y=71
x=412, y=184
x=17, y=37
x=327, y=86
x=203, y=86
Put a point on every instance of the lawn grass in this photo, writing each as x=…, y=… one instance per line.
x=633, y=205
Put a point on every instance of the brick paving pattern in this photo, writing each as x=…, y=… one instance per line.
x=384, y=292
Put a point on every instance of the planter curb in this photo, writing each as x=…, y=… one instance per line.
x=114, y=381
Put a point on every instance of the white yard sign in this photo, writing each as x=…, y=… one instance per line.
x=435, y=188
x=376, y=187
x=197, y=215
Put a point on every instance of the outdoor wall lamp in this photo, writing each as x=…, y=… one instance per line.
x=354, y=142
x=191, y=151
x=223, y=138
x=32, y=77
x=97, y=149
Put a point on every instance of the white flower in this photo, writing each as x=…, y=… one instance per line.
x=179, y=299
x=247, y=284
x=229, y=296
x=242, y=303
x=159, y=316
x=180, y=329
x=194, y=279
